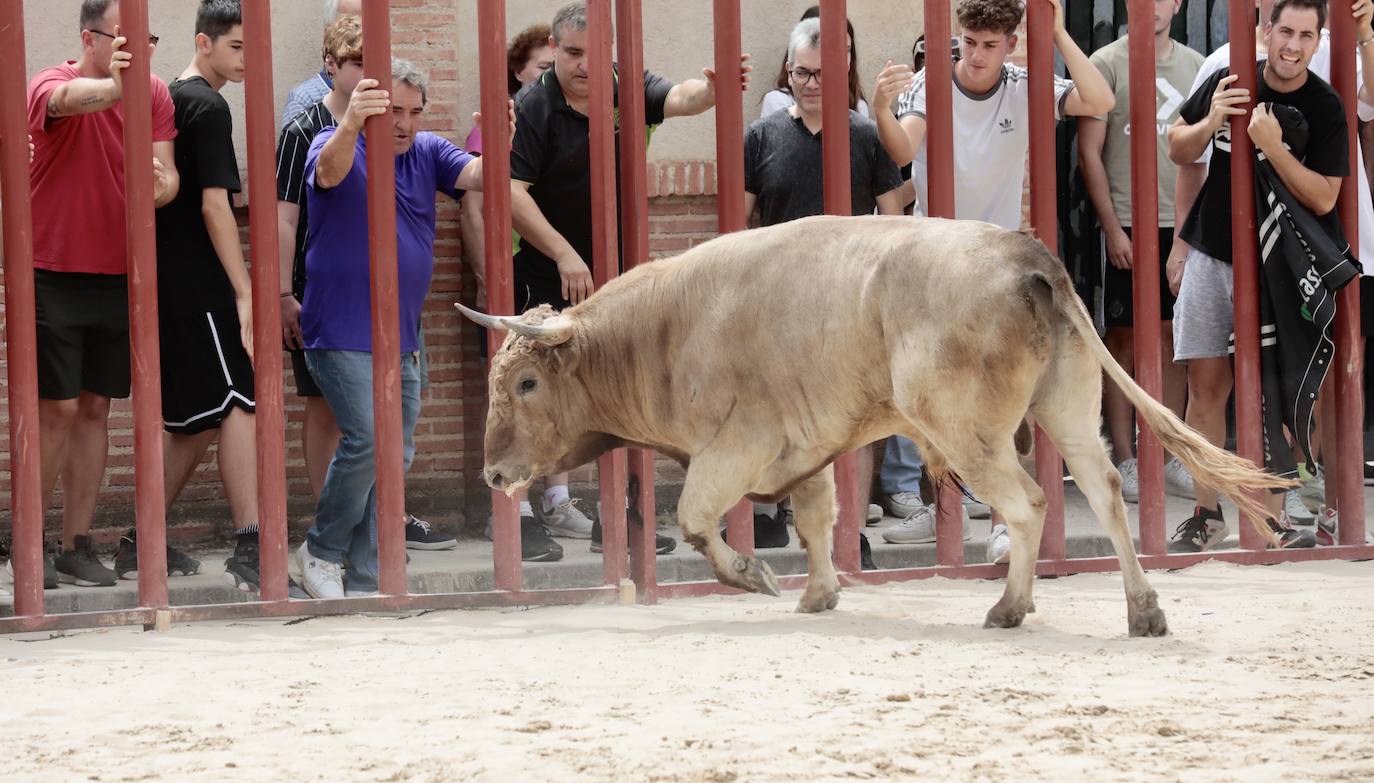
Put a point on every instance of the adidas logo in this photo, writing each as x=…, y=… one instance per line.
x=1005, y=125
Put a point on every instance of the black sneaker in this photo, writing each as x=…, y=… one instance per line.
x=1202, y=531
x=536, y=545
x=81, y=567
x=866, y=554
x=662, y=544
x=241, y=568
x=769, y=532
x=126, y=559
x=1290, y=537
x=420, y=535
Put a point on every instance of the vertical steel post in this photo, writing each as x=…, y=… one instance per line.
x=739, y=521
x=1145, y=269
x=634, y=237
x=1245, y=256
x=1348, y=474
x=149, y=500
x=603, y=118
x=496, y=232
x=388, y=431
x=270, y=417
x=1049, y=468
x=949, y=518
x=835, y=154
x=21, y=333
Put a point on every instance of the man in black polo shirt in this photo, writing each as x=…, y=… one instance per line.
x=783, y=180
x=551, y=200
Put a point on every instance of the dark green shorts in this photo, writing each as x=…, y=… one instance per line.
x=83, y=334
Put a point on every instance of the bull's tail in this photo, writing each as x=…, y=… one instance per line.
x=1235, y=477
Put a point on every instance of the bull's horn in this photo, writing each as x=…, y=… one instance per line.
x=554, y=331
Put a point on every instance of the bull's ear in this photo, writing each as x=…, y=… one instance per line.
x=554, y=331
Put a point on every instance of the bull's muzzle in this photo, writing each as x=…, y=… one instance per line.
x=506, y=481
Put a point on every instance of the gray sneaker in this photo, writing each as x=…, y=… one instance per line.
x=81, y=567
x=566, y=520
x=901, y=504
x=1177, y=480
x=1297, y=511
x=1130, y=480
x=1197, y=534
x=918, y=527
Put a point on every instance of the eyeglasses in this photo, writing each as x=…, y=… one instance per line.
x=802, y=76
x=152, y=39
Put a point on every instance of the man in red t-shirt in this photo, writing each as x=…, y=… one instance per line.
x=80, y=285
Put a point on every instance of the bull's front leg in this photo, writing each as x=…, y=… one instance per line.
x=814, y=500
x=710, y=490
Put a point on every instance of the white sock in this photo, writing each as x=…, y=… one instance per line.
x=526, y=510
x=555, y=495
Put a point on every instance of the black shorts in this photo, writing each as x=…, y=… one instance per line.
x=531, y=292
x=1118, y=302
x=1366, y=306
x=205, y=371
x=83, y=334
x=305, y=382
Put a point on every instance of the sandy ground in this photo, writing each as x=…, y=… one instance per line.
x=1269, y=675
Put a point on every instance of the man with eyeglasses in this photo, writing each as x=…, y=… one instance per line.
x=80, y=280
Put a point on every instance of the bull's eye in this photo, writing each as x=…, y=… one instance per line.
x=527, y=385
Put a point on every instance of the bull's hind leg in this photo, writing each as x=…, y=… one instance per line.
x=814, y=503
x=711, y=488
x=1070, y=418
x=1001, y=482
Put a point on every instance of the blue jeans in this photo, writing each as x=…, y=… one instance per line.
x=902, y=467
x=346, y=516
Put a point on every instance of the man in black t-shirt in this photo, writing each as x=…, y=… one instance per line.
x=551, y=201
x=1203, y=315
x=205, y=295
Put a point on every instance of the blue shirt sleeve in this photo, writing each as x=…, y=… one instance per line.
x=449, y=162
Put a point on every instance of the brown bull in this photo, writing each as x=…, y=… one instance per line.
x=757, y=358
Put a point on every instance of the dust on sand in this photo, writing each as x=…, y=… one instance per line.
x=1269, y=675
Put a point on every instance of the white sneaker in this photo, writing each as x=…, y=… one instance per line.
x=916, y=528
x=360, y=593
x=6, y=589
x=1130, y=480
x=1297, y=511
x=1177, y=480
x=875, y=514
x=566, y=520
x=901, y=504
x=999, y=545
x=319, y=578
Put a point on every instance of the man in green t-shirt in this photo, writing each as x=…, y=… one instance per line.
x=1104, y=156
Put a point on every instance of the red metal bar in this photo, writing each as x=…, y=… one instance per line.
x=1348, y=472
x=1049, y=468
x=949, y=518
x=634, y=236
x=270, y=416
x=149, y=500
x=1244, y=256
x=606, y=248
x=739, y=520
x=386, y=332
x=1149, y=370
x=496, y=231
x=835, y=155
x=21, y=333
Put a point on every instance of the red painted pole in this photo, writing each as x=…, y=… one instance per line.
x=606, y=252
x=739, y=521
x=1049, y=468
x=835, y=155
x=949, y=518
x=1349, y=384
x=1244, y=256
x=149, y=502
x=386, y=332
x=270, y=416
x=496, y=231
x=1145, y=272
x=634, y=235
x=21, y=333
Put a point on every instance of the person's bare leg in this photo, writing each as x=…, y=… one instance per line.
x=83, y=467
x=238, y=453
x=181, y=455
x=1209, y=386
x=1119, y=412
x=1175, y=373
x=55, y=420
x=319, y=440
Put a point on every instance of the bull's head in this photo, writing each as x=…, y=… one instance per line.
x=532, y=422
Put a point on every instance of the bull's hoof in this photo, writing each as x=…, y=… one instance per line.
x=1004, y=615
x=752, y=574
x=1144, y=617
x=819, y=600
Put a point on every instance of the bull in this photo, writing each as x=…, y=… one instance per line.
x=757, y=358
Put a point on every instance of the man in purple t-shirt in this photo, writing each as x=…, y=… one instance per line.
x=334, y=325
